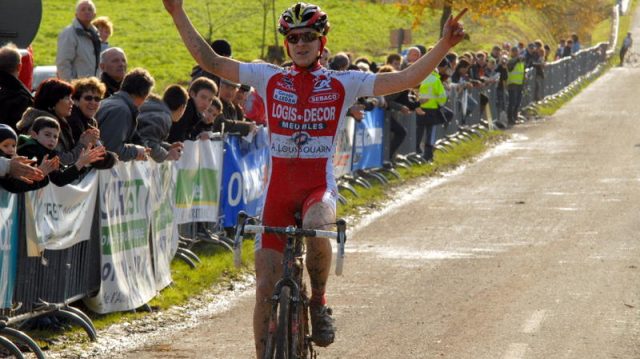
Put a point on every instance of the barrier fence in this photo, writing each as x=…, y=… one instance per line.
x=109, y=239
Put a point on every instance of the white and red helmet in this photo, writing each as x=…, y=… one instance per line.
x=303, y=15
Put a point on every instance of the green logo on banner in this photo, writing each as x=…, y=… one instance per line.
x=198, y=187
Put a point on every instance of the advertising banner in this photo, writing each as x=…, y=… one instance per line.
x=8, y=246
x=368, y=144
x=164, y=230
x=344, y=148
x=197, y=196
x=127, y=272
x=245, y=176
x=60, y=217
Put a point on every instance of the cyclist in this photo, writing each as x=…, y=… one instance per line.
x=306, y=105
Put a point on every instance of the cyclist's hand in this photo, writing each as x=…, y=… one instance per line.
x=453, y=31
x=172, y=5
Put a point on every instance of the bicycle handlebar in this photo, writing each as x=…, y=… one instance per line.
x=291, y=231
x=242, y=227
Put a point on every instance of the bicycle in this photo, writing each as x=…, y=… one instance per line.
x=288, y=329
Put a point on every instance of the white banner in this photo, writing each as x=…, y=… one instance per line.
x=126, y=268
x=343, y=156
x=164, y=230
x=197, y=195
x=60, y=217
x=8, y=246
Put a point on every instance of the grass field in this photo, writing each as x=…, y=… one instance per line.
x=148, y=36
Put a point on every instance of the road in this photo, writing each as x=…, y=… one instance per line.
x=530, y=252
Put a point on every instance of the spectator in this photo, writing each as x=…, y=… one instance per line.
x=42, y=143
x=626, y=45
x=501, y=68
x=8, y=141
x=53, y=99
x=413, y=54
x=538, y=65
x=117, y=116
x=433, y=97
x=87, y=94
x=496, y=53
x=155, y=119
x=398, y=132
x=223, y=48
x=8, y=158
x=15, y=98
x=113, y=64
x=340, y=62
x=324, y=57
x=515, y=83
x=575, y=47
x=79, y=45
x=560, y=49
x=218, y=123
x=234, y=123
x=242, y=94
x=201, y=92
x=567, y=48
x=395, y=61
x=105, y=30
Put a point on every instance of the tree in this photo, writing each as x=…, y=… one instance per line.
x=567, y=15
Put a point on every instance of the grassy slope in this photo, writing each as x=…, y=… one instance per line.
x=147, y=34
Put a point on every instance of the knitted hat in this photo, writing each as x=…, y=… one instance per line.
x=6, y=132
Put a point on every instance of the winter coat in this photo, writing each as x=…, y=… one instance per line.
x=15, y=98
x=117, y=121
x=79, y=123
x=30, y=148
x=112, y=85
x=154, y=123
x=78, y=52
x=68, y=148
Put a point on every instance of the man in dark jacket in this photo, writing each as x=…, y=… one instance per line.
x=117, y=116
x=155, y=119
x=113, y=64
x=15, y=98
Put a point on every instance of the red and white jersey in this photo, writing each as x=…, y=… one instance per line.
x=304, y=110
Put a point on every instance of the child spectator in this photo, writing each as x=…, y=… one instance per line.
x=41, y=144
x=105, y=30
x=201, y=92
x=8, y=141
x=216, y=119
x=155, y=120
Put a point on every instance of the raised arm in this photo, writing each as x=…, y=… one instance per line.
x=201, y=51
x=392, y=82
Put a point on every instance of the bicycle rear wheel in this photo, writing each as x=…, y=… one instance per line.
x=283, y=334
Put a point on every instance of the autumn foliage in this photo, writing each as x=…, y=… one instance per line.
x=567, y=16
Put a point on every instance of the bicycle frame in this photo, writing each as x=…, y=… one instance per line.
x=288, y=320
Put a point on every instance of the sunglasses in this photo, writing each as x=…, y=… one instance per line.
x=94, y=98
x=306, y=37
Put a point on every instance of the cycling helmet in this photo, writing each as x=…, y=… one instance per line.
x=303, y=15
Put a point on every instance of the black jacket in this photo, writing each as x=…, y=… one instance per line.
x=31, y=148
x=113, y=86
x=181, y=130
x=79, y=123
x=15, y=98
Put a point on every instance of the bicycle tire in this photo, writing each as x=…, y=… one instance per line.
x=283, y=334
x=11, y=348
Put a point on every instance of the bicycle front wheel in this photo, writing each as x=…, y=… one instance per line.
x=283, y=334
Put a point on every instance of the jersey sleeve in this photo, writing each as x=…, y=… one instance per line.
x=363, y=83
x=257, y=75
